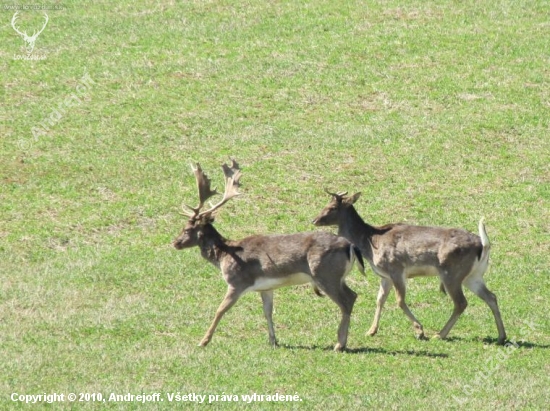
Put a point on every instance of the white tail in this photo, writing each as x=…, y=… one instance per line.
x=486, y=244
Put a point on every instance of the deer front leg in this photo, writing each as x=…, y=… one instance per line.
x=267, y=300
x=230, y=299
x=383, y=292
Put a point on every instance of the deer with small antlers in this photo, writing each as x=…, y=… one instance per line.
x=30, y=40
x=263, y=263
x=400, y=251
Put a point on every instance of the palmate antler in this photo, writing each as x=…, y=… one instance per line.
x=203, y=186
x=232, y=175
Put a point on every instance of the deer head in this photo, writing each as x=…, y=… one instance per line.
x=200, y=222
x=332, y=212
x=30, y=40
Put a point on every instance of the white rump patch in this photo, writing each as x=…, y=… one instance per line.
x=266, y=283
x=474, y=280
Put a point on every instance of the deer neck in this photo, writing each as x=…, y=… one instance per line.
x=212, y=246
x=352, y=227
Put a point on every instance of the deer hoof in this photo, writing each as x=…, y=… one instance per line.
x=339, y=348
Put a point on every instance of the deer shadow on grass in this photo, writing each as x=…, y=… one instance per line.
x=367, y=350
x=528, y=344
x=522, y=343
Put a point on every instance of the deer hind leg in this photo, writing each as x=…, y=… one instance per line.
x=267, y=300
x=400, y=292
x=229, y=300
x=383, y=292
x=345, y=298
x=454, y=290
x=478, y=287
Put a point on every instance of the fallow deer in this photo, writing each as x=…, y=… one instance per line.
x=263, y=263
x=399, y=251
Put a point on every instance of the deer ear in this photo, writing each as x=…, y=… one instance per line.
x=352, y=199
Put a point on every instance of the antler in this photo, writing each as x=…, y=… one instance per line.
x=232, y=175
x=13, y=20
x=205, y=192
x=24, y=34
x=337, y=195
x=43, y=27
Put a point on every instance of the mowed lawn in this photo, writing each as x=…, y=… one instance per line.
x=437, y=111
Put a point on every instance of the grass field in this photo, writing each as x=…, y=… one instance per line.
x=438, y=112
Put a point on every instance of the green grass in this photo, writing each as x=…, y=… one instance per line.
x=438, y=112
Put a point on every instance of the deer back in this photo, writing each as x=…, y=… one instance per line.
x=420, y=246
x=280, y=255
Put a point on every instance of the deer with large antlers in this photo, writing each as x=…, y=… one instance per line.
x=399, y=251
x=263, y=263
